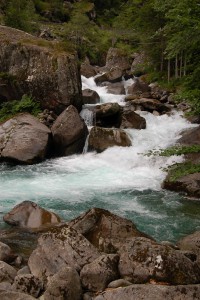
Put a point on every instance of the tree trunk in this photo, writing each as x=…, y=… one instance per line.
x=168, y=70
x=176, y=66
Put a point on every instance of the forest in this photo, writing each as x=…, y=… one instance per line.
x=167, y=32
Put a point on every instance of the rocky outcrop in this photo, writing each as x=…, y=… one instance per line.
x=30, y=215
x=39, y=68
x=23, y=139
x=69, y=132
x=105, y=230
x=102, y=138
x=90, y=97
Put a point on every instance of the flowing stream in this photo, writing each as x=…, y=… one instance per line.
x=122, y=180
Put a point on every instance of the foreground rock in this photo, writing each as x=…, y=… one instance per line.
x=30, y=215
x=10, y=295
x=38, y=68
x=23, y=139
x=151, y=292
x=117, y=58
x=102, y=138
x=69, y=133
x=58, y=248
x=106, y=231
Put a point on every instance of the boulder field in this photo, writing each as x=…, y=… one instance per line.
x=97, y=256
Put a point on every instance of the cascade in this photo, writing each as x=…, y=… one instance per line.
x=120, y=179
x=88, y=115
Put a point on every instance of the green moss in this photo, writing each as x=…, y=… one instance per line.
x=11, y=108
x=179, y=170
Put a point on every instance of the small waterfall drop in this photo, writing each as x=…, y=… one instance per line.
x=88, y=115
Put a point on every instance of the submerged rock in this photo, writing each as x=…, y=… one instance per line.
x=69, y=132
x=30, y=215
x=39, y=68
x=23, y=139
x=102, y=138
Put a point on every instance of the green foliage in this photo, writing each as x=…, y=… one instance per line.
x=192, y=97
x=175, y=150
x=21, y=14
x=179, y=170
x=11, y=108
x=53, y=10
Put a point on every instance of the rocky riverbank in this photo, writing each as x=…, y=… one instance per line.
x=96, y=256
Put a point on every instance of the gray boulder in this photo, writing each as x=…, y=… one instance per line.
x=28, y=284
x=90, y=97
x=39, y=68
x=23, y=139
x=139, y=87
x=64, y=285
x=96, y=275
x=30, y=215
x=143, y=260
x=60, y=247
x=116, y=88
x=151, y=292
x=10, y=295
x=102, y=138
x=69, y=132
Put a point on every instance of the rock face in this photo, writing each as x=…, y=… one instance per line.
x=30, y=215
x=23, y=139
x=58, y=248
x=152, y=292
x=69, y=132
x=90, y=97
x=106, y=231
x=102, y=138
x=38, y=68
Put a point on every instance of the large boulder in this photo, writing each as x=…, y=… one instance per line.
x=105, y=230
x=116, y=88
x=87, y=69
x=69, y=132
x=151, y=292
x=23, y=139
x=11, y=295
x=60, y=247
x=30, y=215
x=102, y=138
x=114, y=75
x=139, y=88
x=6, y=254
x=190, y=137
x=90, y=97
x=64, y=285
x=39, y=68
x=143, y=260
x=150, y=105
